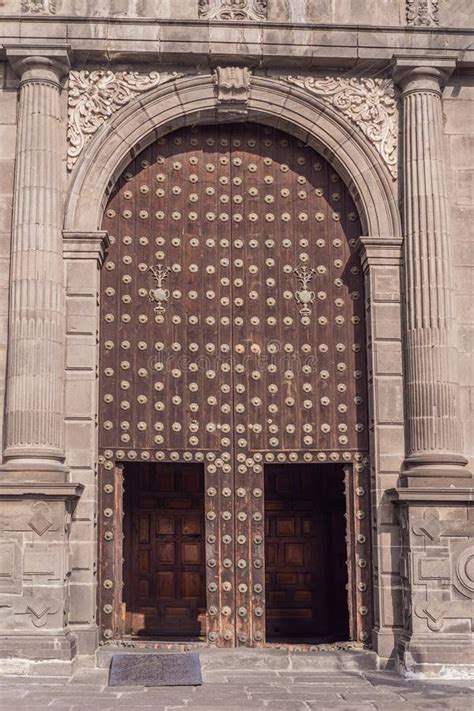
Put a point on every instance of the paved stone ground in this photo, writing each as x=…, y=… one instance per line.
x=240, y=690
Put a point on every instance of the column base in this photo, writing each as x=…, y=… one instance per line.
x=449, y=656
x=425, y=470
x=35, y=469
x=51, y=653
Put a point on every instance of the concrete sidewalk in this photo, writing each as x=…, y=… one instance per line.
x=238, y=690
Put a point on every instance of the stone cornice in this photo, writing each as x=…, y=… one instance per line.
x=311, y=45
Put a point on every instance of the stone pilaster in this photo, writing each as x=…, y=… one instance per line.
x=35, y=368
x=381, y=260
x=84, y=253
x=434, y=446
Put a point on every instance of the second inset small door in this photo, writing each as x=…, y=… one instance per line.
x=164, y=554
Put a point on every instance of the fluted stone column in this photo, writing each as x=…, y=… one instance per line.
x=434, y=434
x=435, y=499
x=36, y=501
x=35, y=367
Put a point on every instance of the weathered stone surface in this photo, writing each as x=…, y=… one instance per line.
x=215, y=70
x=246, y=690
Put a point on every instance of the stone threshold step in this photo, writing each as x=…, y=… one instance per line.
x=266, y=659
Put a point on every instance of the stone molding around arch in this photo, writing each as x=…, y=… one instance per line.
x=194, y=100
x=191, y=100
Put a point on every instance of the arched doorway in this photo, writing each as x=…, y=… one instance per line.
x=232, y=354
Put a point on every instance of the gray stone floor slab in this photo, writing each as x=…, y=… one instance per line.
x=244, y=690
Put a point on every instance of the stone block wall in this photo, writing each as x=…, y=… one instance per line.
x=384, y=13
x=459, y=135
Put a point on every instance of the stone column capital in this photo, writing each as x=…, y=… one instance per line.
x=422, y=73
x=379, y=251
x=86, y=245
x=40, y=63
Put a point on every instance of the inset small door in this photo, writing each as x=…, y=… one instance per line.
x=164, y=567
x=305, y=553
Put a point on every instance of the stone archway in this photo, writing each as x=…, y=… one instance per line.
x=192, y=101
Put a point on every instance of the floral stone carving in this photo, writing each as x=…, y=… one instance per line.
x=94, y=96
x=36, y=7
x=370, y=104
x=422, y=13
x=233, y=9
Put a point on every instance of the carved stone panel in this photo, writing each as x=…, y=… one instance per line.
x=422, y=13
x=39, y=7
x=437, y=575
x=370, y=104
x=94, y=96
x=233, y=9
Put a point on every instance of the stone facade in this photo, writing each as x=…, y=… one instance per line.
x=83, y=89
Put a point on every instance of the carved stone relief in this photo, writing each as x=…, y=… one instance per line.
x=36, y=7
x=94, y=96
x=41, y=521
x=233, y=9
x=232, y=84
x=40, y=608
x=370, y=104
x=438, y=570
x=422, y=13
x=232, y=87
x=463, y=571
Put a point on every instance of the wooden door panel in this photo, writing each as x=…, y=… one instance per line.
x=191, y=525
x=191, y=553
x=144, y=561
x=294, y=554
x=144, y=529
x=165, y=552
x=165, y=525
x=165, y=584
x=285, y=527
x=191, y=584
x=144, y=589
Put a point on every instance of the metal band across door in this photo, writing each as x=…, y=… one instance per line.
x=232, y=335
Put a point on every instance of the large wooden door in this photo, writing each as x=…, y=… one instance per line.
x=165, y=590
x=233, y=336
